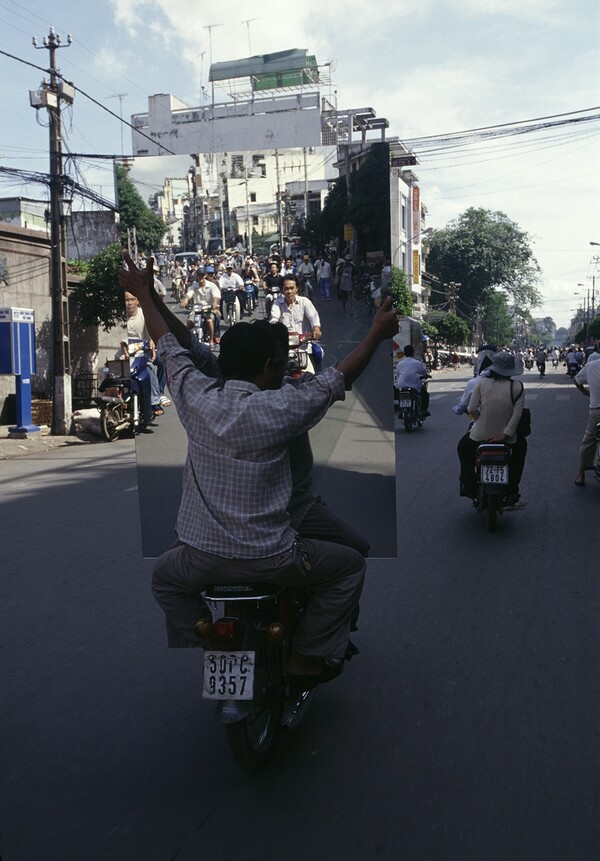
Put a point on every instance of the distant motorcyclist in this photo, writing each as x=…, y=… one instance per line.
x=540, y=360
x=495, y=406
x=412, y=374
x=305, y=272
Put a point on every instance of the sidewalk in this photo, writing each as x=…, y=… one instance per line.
x=38, y=442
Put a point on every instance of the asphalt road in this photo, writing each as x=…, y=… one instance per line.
x=466, y=729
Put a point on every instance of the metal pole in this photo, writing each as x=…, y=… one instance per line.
x=279, y=204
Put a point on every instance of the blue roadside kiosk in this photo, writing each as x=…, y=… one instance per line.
x=17, y=357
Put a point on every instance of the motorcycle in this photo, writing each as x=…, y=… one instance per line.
x=305, y=287
x=271, y=296
x=528, y=362
x=491, y=468
x=410, y=407
x=573, y=369
x=251, y=298
x=245, y=657
x=230, y=305
x=301, y=349
x=202, y=313
x=125, y=401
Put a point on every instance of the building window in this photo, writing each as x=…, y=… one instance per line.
x=237, y=166
x=252, y=197
x=255, y=220
x=403, y=216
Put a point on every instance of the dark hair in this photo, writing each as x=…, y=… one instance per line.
x=409, y=350
x=289, y=276
x=246, y=347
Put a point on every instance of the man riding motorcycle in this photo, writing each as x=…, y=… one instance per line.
x=412, y=374
x=235, y=526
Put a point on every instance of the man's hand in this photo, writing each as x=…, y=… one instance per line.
x=501, y=437
x=317, y=333
x=385, y=321
x=138, y=282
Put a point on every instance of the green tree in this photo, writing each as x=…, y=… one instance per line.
x=453, y=330
x=593, y=331
x=334, y=212
x=133, y=212
x=485, y=251
x=545, y=328
x=401, y=295
x=369, y=209
x=497, y=324
x=98, y=298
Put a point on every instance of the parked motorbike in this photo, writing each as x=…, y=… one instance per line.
x=245, y=657
x=410, y=407
x=125, y=401
x=491, y=467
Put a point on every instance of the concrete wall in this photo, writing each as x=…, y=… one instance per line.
x=25, y=267
x=89, y=232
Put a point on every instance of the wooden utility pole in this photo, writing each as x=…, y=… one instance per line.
x=50, y=96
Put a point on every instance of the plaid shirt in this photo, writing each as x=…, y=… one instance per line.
x=237, y=481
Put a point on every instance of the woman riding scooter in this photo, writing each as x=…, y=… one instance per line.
x=495, y=406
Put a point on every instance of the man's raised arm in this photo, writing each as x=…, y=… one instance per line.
x=384, y=326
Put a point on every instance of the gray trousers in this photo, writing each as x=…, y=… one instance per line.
x=321, y=523
x=587, y=449
x=335, y=580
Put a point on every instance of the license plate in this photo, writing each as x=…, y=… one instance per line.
x=405, y=403
x=228, y=675
x=495, y=475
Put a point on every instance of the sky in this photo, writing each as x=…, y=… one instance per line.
x=430, y=66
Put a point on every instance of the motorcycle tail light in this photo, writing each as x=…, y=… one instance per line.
x=227, y=633
x=275, y=633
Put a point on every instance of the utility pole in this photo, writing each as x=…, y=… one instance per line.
x=453, y=288
x=50, y=96
x=279, y=204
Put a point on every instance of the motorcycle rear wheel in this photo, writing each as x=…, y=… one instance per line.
x=408, y=422
x=253, y=740
x=111, y=417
